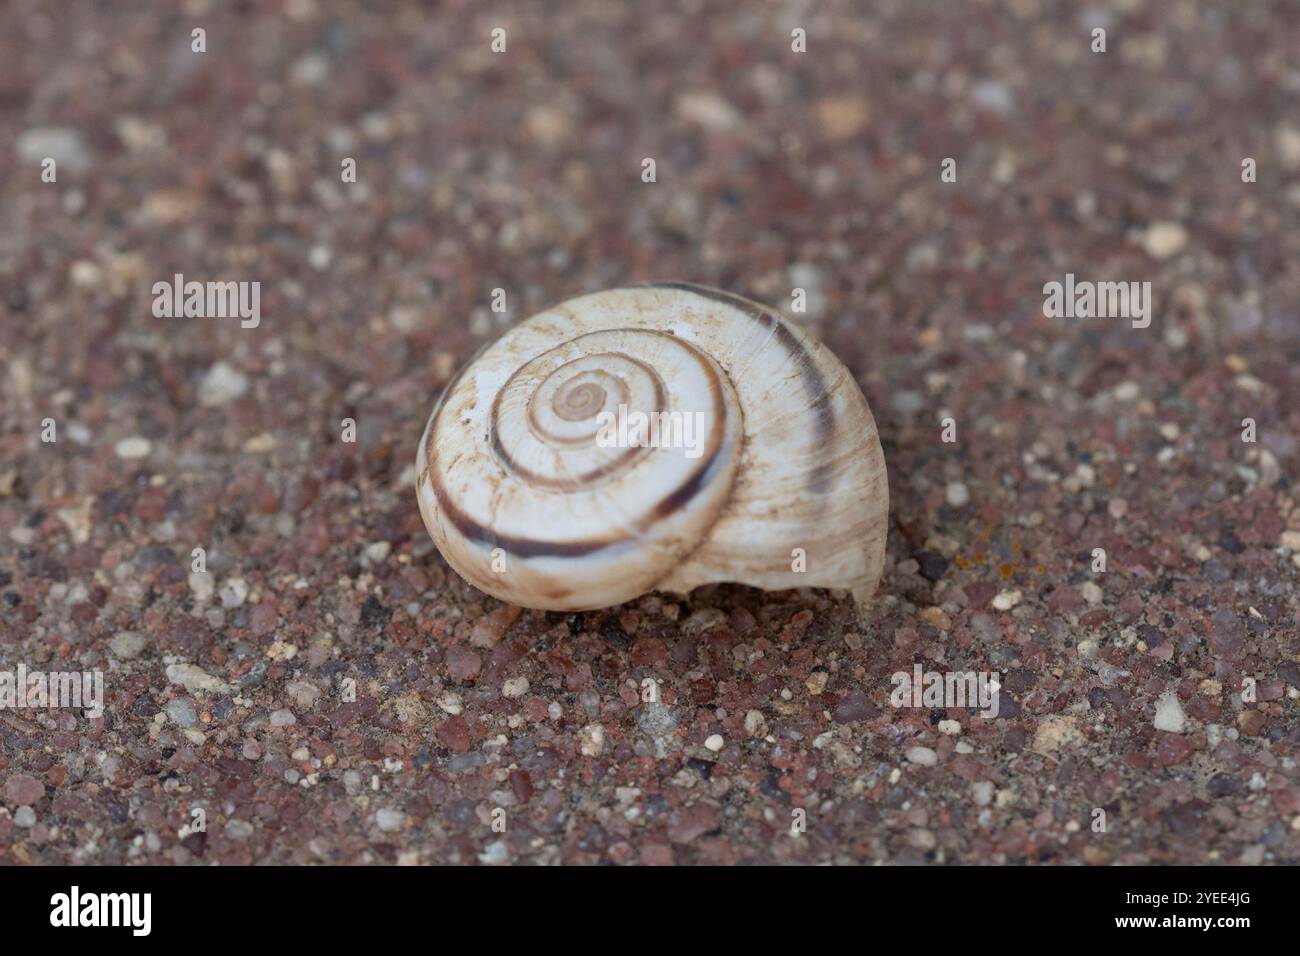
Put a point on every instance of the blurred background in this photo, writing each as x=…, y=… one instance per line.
x=775, y=170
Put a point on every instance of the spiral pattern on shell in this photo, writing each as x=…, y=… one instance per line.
x=653, y=437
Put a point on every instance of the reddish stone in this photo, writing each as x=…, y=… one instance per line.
x=263, y=619
x=522, y=785
x=463, y=663
x=690, y=822
x=454, y=734
x=1172, y=749
x=22, y=790
x=649, y=652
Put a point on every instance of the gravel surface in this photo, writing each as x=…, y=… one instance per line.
x=328, y=691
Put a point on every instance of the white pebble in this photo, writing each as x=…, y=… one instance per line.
x=137, y=446
x=195, y=679
x=65, y=146
x=1169, y=714
x=494, y=854
x=319, y=257
x=1164, y=239
x=1127, y=392
x=234, y=592
x=202, y=585
x=126, y=645
x=239, y=829
x=592, y=740
x=714, y=742
x=515, y=687
x=221, y=384
x=923, y=756
x=1006, y=600
x=956, y=494
x=1091, y=593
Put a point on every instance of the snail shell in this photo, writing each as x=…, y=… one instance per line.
x=774, y=450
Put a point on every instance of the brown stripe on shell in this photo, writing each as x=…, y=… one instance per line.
x=813, y=380
x=473, y=530
x=576, y=482
x=536, y=426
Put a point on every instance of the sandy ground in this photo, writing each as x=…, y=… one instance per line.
x=330, y=692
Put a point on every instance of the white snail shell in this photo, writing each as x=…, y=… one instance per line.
x=526, y=503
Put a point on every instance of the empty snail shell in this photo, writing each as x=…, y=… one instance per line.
x=657, y=437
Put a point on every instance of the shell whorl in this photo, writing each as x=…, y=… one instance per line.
x=775, y=450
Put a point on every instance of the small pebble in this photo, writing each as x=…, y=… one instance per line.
x=234, y=592
x=1006, y=600
x=1164, y=239
x=1123, y=392
x=714, y=742
x=305, y=693
x=126, y=645
x=923, y=756
x=220, y=385
x=931, y=565
x=239, y=829
x=202, y=585
x=591, y=742
x=195, y=679
x=65, y=146
x=181, y=710
x=995, y=96
x=22, y=789
x=1169, y=714
x=494, y=854
x=133, y=448
x=956, y=494
x=936, y=617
